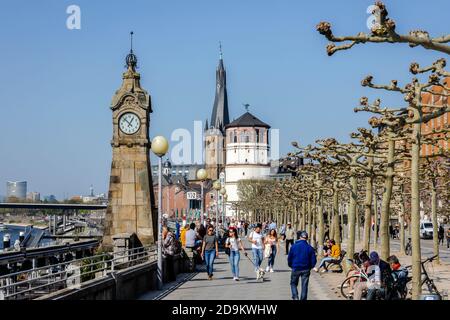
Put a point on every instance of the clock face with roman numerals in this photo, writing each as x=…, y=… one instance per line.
x=129, y=123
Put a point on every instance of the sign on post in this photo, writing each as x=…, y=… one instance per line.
x=191, y=195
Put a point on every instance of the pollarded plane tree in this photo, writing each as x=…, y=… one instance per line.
x=400, y=205
x=434, y=173
x=383, y=31
x=409, y=120
x=359, y=158
x=328, y=177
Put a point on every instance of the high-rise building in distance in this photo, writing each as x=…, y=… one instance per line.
x=34, y=196
x=17, y=189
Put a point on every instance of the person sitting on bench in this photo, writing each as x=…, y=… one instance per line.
x=335, y=255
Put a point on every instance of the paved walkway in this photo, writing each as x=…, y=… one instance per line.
x=275, y=286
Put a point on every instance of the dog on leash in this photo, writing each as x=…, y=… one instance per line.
x=260, y=274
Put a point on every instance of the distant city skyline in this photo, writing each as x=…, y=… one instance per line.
x=58, y=83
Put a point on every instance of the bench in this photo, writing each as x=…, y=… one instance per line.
x=337, y=262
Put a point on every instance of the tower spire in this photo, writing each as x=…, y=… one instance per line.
x=131, y=59
x=220, y=116
x=131, y=40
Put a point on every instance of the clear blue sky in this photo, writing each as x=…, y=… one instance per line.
x=56, y=84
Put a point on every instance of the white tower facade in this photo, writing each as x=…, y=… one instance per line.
x=247, y=154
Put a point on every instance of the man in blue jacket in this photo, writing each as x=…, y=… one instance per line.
x=301, y=260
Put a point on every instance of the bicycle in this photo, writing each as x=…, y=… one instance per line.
x=426, y=280
x=348, y=284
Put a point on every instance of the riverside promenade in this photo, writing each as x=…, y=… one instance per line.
x=276, y=285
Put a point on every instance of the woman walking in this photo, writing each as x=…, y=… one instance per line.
x=234, y=244
x=272, y=241
x=210, y=251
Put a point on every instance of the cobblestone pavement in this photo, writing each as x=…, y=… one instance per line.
x=223, y=287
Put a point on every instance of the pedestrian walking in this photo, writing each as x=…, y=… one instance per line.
x=234, y=244
x=257, y=240
x=210, y=251
x=290, y=236
x=273, y=247
x=441, y=234
x=448, y=238
x=327, y=233
x=301, y=260
x=168, y=252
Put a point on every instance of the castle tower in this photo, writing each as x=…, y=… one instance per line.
x=215, y=133
x=131, y=207
x=247, y=153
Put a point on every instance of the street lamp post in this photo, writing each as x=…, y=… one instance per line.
x=159, y=148
x=223, y=192
x=217, y=186
x=202, y=175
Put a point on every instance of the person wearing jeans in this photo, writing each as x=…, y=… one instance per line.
x=257, y=240
x=295, y=276
x=301, y=260
x=234, y=244
x=210, y=251
x=334, y=255
x=272, y=241
x=290, y=235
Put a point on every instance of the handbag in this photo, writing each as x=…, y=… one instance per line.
x=227, y=250
x=267, y=250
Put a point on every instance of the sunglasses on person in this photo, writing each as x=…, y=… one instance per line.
x=210, y=230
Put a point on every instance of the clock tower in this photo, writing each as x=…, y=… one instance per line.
x=131, y=202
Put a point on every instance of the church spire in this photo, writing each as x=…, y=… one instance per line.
x=220, y=116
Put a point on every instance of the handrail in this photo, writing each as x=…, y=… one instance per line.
x=72, y=261
x=109, y=261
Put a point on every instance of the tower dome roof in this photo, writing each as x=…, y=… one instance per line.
x=247, y=120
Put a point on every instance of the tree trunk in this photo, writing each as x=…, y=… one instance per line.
x=304, y=215
x=368, y=210
x=434, y=220
x=375, y=220
x=314, y=222
x=336, y=233
x=358, y=222
x=320, y=236
x=386, y=202
x=352, y=216
x=402, y=224
x=415, y=212
x=309, y=218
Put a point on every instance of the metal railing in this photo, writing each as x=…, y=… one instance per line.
x=36, y=282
